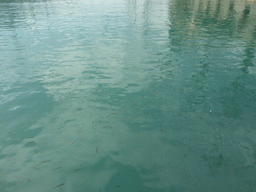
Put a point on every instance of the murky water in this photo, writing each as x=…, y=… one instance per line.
x=127, y=95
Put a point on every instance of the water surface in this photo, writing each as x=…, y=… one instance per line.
x=130, y=95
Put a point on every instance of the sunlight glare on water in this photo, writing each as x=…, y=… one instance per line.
x=127, y=95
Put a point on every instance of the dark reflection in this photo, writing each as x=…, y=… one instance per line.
x=244, y=16
x=231, y=19
x=249, y=55
x=217, y=12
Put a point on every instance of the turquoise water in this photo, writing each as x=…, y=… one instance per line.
x=127, y=95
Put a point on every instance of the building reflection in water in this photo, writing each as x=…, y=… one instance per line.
x=216, y=34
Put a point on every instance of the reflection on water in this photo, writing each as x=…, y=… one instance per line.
x=132, y=95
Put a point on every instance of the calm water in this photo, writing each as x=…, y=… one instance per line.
x=127, y=95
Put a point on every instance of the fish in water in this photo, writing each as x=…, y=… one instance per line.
x=40, y=163
x=73, y=142
x=59, y=185
x=76, y=170
x=56, y=168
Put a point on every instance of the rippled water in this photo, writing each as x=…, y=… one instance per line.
x=127, y=95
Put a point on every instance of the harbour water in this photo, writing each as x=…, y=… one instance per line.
x=127, y=95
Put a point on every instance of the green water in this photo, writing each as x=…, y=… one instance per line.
x=127, y=95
